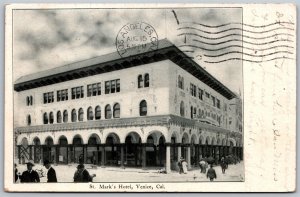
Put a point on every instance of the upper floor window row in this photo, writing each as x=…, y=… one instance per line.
x=77, y=92
x=112, y=86
x=180, y=82
x=62, y=95
x=29, y=100
x=94, y=89
x=49, y=97
x=143, y=81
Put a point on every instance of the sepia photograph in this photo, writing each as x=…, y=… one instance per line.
x=134, y=95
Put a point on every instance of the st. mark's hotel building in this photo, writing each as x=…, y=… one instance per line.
x=146, y=110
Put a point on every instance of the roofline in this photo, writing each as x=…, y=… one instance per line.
x=109, y=62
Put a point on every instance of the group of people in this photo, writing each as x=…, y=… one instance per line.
x=32, y=176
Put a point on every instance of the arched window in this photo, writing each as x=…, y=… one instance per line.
x=90, y=114
x=58, y=117
x=51, y=118
x=181, y=108
x=146, y=80
x=117, y=110
x=143, y=108
x=80, y=114
x=97, y=113
x=140, y=81
x=107, y=112
x=45, y=117
x=65, y=116
x=74, y=116
x=28, y=120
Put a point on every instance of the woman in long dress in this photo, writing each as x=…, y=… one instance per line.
x=184, y=166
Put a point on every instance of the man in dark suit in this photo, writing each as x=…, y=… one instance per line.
x=29, y=175
x=51, y=174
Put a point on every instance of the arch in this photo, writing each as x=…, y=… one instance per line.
x=185, y=138
x=77, y=140
x=51, y=118
x=36, y=141
x=23, y=141
x=213, y=141
x=231, y=142
x=45, y=118
x=58, y=117
x=97, y=112
x=80, y=114
x=112, y=138
x=73, y=115
x=140, y=81
x=208, y=140
x=156, y=136
x=146, y=80
x=219, y=141
x=49, y=141
x=224, y=142
x=194, y=139
x=182, y=109
x=117, y=109
x=90, y=113
x=143, y=108
x=65, y=118
x=176, y=136
x=201, y=140
x=93, y=139
x=62, y=140
x=135, y=137
x=107, y=112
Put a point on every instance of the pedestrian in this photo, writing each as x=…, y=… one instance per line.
x=205, y=166
x=51, y=174
x=202, y=165
x=223, y=165
x=180, y=165
x=82, y=175
x=184, y=166
x=29, y=175
x=211, y=173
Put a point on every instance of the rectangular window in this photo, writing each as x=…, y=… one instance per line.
x=89, y=90
x=98, y=88
x=77, y=92
x=62, y=95
x=48, y=97
x=112, y=86
x=200, y=94
x=213, y=101
x=193, y=90
x=218, y=104
x=94, y=89
x=207, y=95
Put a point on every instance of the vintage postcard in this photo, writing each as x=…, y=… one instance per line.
x=150, y=98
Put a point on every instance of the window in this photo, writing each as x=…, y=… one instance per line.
x=218, y=104
x=213, y=101
x=48, y=97
x=146, y=80
x=143, y=108
x=200, y=94
x=28, y=120
x=77, y=92
x=29, y=100
x=117, y=110
x=80, y=114
x=180, y=82
x=74, y=116
x=97, y=113
x=193, y=90
x=107, y=112
x=62, y=95
x=51, y=118
x=58, y=117
x=182, y=109
x=45, y=118
x=207, y=95
x=140, y=81
x=65, y=116
x=192, y=112
x=90, y=114
x=112, y=86
x=94, y=89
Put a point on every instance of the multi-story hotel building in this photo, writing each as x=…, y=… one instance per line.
x=144, y=110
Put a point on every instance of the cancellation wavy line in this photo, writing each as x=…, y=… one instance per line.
x=247, y=25
x=239, y=46
x=243, y=41
x=242, y=35
x=248, y=54
x=253, y=61
x=239, y=29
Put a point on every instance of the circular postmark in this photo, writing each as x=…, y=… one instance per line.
x=134, y=38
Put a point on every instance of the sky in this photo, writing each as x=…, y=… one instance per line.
x=45, y=39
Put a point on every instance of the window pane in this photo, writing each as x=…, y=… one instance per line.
x=117, y=110
x=89, y=90
x=140, y=81
x=118, y=85
x=147, y=80
x=98, y=113
x=107, y=87
x=113, y=86
x=99, y=89
x=107, y=112
x=65, y=116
